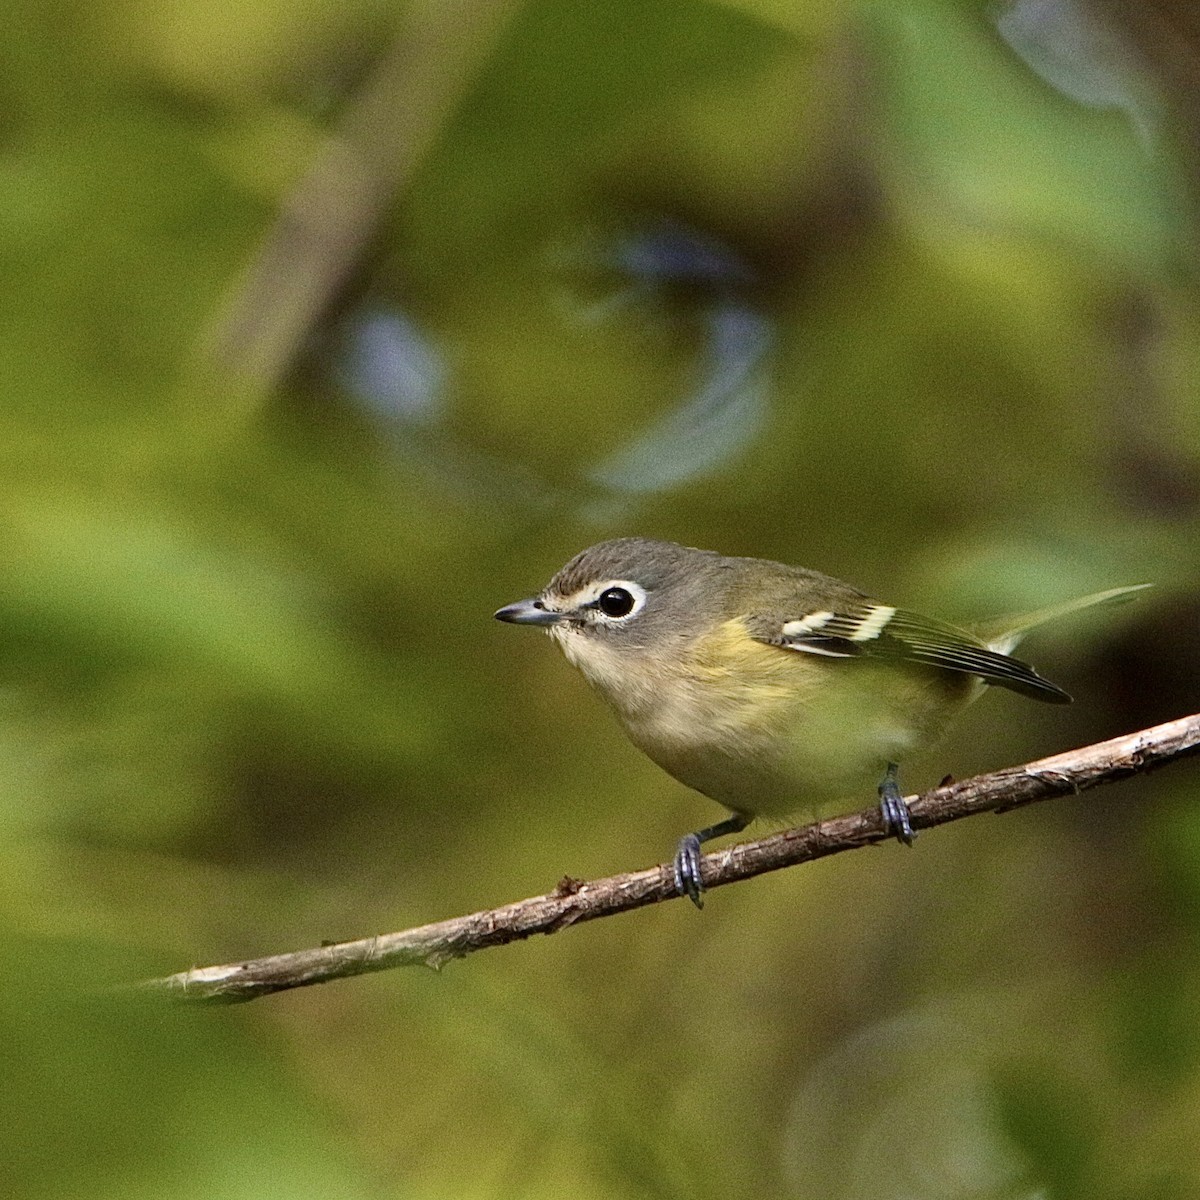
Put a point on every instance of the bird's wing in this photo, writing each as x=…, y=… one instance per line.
x=864, y=629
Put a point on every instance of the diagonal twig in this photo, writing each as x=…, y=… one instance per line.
x=573, y=901
x=331, y=216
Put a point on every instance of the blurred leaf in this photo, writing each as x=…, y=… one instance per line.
x=1054, y=1126
x=979, y=140
x=110, y=1096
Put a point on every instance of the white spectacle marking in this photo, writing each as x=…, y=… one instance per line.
x=872, y=624
x=809, y=624
x=589, y=596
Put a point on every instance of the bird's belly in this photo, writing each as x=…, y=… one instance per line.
x=759, y=774
x=780, y=751
x=769, y=731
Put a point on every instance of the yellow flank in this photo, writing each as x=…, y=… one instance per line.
x=746, y=672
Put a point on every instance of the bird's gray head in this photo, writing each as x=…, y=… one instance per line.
x=629, y=592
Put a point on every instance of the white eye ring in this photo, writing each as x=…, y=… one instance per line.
x=616, y=601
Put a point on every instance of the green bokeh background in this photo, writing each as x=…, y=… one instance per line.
x=847, y=284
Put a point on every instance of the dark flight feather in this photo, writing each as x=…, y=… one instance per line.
x=877, y=631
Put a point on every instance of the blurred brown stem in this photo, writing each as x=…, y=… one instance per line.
x=573, y=901
x=328, y=220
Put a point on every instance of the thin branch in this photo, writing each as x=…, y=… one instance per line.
x=573, y=901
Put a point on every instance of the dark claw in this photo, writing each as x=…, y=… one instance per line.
x=687, y=870
x=896, y=817
x=687, y=858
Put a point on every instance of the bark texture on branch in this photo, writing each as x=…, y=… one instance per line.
x=573, y=901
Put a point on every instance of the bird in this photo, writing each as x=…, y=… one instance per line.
x=772, y=689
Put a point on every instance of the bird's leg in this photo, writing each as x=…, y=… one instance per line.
x=895, y=811
x=687, y=857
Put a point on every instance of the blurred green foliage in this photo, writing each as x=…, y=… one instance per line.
x=866, y=286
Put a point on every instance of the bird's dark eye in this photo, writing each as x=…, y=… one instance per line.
x=615, y=602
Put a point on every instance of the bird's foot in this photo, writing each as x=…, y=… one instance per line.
x=896, y=818
x=688, y=880
x=687, y=870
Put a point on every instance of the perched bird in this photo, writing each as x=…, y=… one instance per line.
x=771, y=689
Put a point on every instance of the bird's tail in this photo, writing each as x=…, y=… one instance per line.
x=1002, y=634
